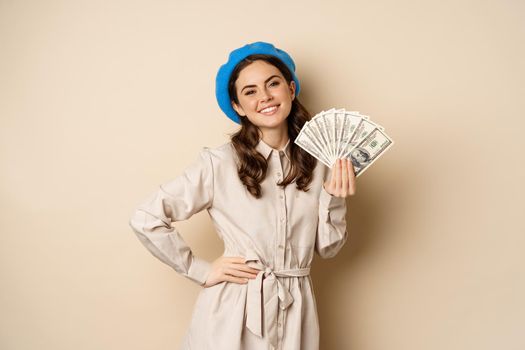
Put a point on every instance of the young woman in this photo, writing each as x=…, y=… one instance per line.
x=272, y=204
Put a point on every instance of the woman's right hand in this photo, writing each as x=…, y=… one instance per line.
x=230, y=269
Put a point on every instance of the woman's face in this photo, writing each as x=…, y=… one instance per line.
x=264, y=96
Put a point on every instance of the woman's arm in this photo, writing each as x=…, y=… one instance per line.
x=176, y=200
x=331, y=229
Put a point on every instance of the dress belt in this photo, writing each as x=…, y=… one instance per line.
x=261, y=296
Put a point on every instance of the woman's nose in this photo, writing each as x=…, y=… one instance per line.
x=265, y=95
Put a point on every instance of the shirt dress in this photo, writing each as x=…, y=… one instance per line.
x=277, y=233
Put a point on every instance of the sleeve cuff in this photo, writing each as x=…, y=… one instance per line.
x=327, y=201
x=199, y=270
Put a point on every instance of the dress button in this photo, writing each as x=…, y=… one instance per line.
x=282, y=219
x=278, y=174
x=280, y=246
x=279, y=324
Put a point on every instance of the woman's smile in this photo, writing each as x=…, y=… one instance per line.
x=269, y=110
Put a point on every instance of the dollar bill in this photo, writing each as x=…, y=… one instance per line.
x=322, y=130
x=368, y=150
x=349, y=127
x=338, y=133
x=310, y=146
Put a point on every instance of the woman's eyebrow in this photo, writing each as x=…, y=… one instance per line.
x=267, y=80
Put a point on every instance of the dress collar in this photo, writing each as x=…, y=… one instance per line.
x=265, y=149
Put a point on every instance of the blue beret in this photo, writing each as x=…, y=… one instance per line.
x=236, y=56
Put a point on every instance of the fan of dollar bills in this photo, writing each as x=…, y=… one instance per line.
x=337, y=133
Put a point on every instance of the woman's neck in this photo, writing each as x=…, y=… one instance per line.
x=275, y=138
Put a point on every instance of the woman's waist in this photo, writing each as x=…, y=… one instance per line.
x=271, y=263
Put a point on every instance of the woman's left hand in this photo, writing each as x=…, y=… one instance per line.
x=342, y=181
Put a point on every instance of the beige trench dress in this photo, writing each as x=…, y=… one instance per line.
x=277, y=233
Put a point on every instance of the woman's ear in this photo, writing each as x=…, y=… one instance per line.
x=238, y=109
x=292, y=89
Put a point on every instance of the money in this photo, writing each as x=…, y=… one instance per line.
x=338, y=133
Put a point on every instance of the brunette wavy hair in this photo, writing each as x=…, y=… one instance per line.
x=252, y=165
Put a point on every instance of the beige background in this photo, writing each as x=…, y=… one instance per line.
x=101, y=101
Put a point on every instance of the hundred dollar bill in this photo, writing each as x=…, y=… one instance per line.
x=322, y=126
x=331, y=129
x=340, y=124
x=364, y=128
x=310, y=146
x=337, y=128
x=313, y=135
x=368, y=150
x=327, y=136
x=317, y=134
x=349, y=122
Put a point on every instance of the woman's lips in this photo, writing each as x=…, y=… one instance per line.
x=269, y=110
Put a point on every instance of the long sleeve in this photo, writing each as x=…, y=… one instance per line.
x=331, y=229
x=176, y=200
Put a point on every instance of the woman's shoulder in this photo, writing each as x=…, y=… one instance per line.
x=223, y=152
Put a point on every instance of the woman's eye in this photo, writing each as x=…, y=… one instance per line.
x=274, y=83
x=249, y=92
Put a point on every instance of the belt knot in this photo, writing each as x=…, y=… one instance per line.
x=256, y=300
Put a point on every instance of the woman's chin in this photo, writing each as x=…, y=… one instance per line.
x=271, y=122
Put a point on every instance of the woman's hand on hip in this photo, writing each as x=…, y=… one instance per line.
x=230, y=269
x=342, y=180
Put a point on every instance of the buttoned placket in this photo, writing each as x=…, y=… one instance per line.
x=278, y=158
